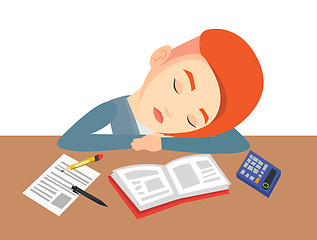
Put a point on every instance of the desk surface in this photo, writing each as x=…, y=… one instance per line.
x=290, y=210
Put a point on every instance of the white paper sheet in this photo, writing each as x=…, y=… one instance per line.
x=53, y=190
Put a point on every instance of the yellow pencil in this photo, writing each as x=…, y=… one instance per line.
x=82, y=163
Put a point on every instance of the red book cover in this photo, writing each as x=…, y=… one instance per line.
x=140, y=214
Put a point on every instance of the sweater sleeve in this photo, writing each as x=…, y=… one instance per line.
x=80, y=136
x=228, y=142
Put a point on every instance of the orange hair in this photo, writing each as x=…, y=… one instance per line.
x=239, y=76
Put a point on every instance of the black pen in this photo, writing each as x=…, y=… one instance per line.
x=87, y=195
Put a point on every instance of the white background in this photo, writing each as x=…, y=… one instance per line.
x=59, y=59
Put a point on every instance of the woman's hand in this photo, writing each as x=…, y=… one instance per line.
x=151, y=142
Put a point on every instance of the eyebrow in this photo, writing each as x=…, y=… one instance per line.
x=204, y=114
x=191, y=80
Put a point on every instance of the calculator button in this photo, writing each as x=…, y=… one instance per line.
x=262, y=172
x=260, y=175
x=255, y=159
x=255, y=171
x=258, y=166
x=250, y=168
x=265, y=167
x=248, y=160
x=247, y=175
x=251, y=156
x=253, y=163
x=245, y=165
x=265, y=185
x=257, y=180
x=252, y=178
x=242, y=171
x=261, y=163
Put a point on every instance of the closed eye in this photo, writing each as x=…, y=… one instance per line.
x=175, y=86
x=190, y=122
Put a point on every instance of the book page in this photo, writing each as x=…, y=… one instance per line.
x=146, y=182
x=53, y=190
x=197, y=173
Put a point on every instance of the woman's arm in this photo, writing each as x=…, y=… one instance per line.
x=228, y=142
x=80, y=138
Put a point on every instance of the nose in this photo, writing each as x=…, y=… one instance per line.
x=175, y=108
x=167, y=113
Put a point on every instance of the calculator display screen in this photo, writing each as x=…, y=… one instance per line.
x=269, y=179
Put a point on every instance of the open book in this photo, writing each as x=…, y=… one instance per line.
x=151, y=185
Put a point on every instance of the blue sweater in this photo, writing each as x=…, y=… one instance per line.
x=117, y=112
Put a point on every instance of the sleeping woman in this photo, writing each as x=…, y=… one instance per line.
x=191, y=100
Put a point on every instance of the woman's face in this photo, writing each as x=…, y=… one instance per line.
x=181, y=95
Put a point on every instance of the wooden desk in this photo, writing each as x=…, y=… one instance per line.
x=290, y=212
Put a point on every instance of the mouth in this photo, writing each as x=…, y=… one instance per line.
x=158, y=115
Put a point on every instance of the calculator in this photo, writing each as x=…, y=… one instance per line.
x=259, y=173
